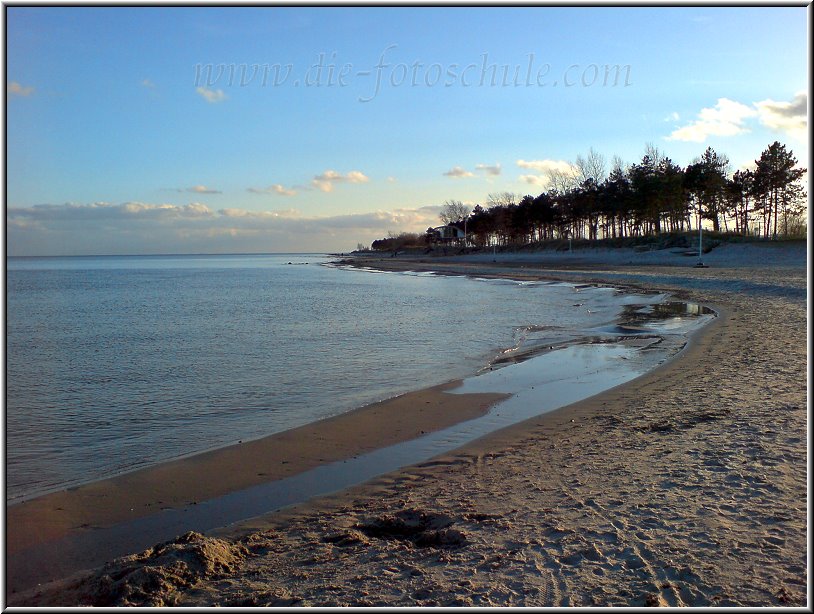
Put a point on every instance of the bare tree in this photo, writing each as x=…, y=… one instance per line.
x=617, y=164
x=654, y=153
x=501, y=199
x=454, y=211
x=562, y=181
x=593, y=166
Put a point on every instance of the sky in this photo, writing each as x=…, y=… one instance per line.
x=171, y=130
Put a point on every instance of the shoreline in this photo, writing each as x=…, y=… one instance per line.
x=174, y=484
x=20, y=492
x=68, y=518
x=556, y=425
x=550, y=421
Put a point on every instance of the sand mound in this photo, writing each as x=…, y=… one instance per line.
x=155, y=576
x=425, y=530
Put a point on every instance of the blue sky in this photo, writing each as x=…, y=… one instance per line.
x=127, y=135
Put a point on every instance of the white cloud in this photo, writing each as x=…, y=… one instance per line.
x=329, y=176
x=726, y=118
x=748, y=165
x=538, y=180
x=788, y=117
x=136, y=227
x=261, y=215
x=196, y=209
x=458, y=172
x=356, y=177
x=23, y=223
x=192, y=210
x=15, y=89
x=202, y=189
x=391, y=180
x=549, y=172
x=327, y=180
x=672, y=117
x=147, y=83
x=80, y=218
x=546, y=166
x=273, y=189
x=729, y=118
x=492, y=170
x=212, y=96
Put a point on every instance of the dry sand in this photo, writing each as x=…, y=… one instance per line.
x=687, y=486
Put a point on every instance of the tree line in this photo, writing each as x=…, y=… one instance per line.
x=649, y=197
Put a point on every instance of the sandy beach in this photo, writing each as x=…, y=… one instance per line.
x=685, y=487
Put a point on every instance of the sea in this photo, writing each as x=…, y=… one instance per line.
x=115, y=363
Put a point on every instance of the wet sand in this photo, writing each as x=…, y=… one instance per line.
x=685, y=487
x=184, y=482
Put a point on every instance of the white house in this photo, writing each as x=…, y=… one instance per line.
x=449, y=233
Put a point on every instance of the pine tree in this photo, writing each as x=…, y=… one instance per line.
x=776, y=185
x=739, y=191
x=705, y=179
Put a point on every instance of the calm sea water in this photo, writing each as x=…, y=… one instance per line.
x=116, y=363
